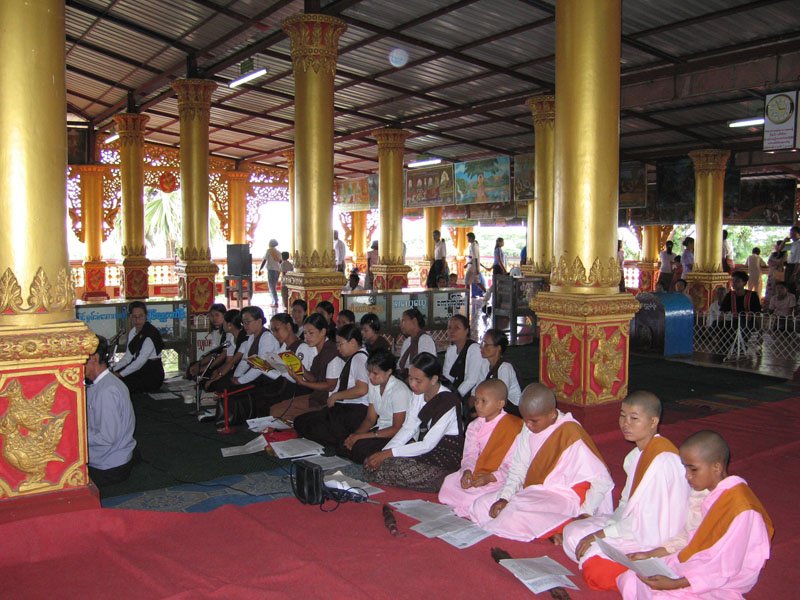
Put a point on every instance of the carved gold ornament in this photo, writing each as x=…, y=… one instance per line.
x=326, y=260
x=709, y=161
x=543, y=109
x=390, y=140
x=31, y=433
x=49, y=343
x=584, y=306
x=603, y=273
x=607, y=357
x=559, y=357
x=43, y=298
x=195, y=254
x=330, y=280
x=194, y=98
x=315, y=41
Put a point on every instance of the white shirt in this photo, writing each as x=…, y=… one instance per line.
x=507, y=375
x=727, y=249
x=754, y=264
x=446, y=425
x=687, y=260
x=395, y=399
x=339, y=251
x=473, y=254
x=109, y=422
x=472, y=370
x=358, y=372
x=666, y=261
x=439, y=250
x=129, y=364
x=306, y=355
x=794, y=252
x=426, y=344
x=266, y=345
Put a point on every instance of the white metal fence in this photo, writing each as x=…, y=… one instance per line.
x=747, y=335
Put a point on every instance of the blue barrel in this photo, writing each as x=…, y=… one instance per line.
x=678, y=323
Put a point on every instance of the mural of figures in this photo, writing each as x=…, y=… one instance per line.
x=429, y=186
x=482, y=181
x=524, y=178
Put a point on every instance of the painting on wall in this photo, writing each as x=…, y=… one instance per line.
x=632, y=184
x=483, y=181
x=524, y=186
x=352, y=194
x=429, y=186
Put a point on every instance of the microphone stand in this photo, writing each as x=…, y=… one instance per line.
x=198, y=392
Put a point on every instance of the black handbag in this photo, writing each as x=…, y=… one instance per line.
x=307, y=483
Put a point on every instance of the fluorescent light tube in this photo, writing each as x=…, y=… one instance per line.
x=248, y=77
x=428, y=162
x=112, y=138
x=747, y=122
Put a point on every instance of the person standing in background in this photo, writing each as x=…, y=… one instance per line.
x=727, y=252
x=339, y=252
x=372, y=259
x=754, y=266
x=665, y=271
x=687, y=258
x=273, y=261
x=621, y=261
x=286, y=267
x=792, y=262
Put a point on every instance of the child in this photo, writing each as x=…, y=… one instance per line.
x=556, y=474
x=755, y=264
x=729, y=547
x=488, y=449
x=652, y=507
x=286, y=266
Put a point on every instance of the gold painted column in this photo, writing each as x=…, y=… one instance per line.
x=391, y=272
x=134, y=277
x=195, y=270
x=289, y=156
x=709, y=186
x=43, y=347
x=462, y=244
x=314, y=40
x=650, y=265
x=238, y=187
x=359, y=225
x=94, y=267
x=433, y=222
x=541, y=210
x=584, y=320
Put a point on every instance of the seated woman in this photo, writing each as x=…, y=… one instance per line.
x=412, y=325
x=220, y=378
x=493, y=347
x=463, y=363
x=326, y=309
x=388, y=401
x=370, y=332
x=347, y=405
x=216, y=316
x=434, y=425
x=315, y=384
x=141, y=368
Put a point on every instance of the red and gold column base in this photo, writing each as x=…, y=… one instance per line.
x=648, y=275
x=390, y=277
x=43, y=445
x=701, y=287
x=360, y=263
x=315, y=287
x=196, y=284
x=94, y=277
x=134, y=277
x=583, y=341
x=424, y=270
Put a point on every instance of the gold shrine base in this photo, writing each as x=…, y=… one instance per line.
x=315, y=287
x=196, y=284
x=701, y=287
x=94, y=277
x=43, y=420
x=390, y=277
x=583, y=341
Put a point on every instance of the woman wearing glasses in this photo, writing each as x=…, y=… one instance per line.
x=493, y=346
x=141, y=368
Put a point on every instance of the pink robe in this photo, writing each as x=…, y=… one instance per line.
x=655, y=512
x=726, y=571
x=538, y=509
x=478, y=434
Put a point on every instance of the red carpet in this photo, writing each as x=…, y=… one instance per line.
x=283, y=549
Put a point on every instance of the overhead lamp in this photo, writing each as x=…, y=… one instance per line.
x=249, y=70
x=427, y=162
x=112, y=138
x=747, y=122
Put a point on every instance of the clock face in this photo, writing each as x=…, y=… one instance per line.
x=780, y=108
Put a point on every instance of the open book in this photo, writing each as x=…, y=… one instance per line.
x=279, y=361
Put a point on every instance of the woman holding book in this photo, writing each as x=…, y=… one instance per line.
x=429, y=445
x=388, y=401
x=316, y=382
x=235, y=335
x=346, y=406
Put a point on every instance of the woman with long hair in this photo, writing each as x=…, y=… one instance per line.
x=235, y=335
x=141, y=368
x=665, y=270
x=429, y=445
x=216, y=318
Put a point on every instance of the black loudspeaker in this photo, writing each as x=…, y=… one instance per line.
x=240, y=262
x=307, y=482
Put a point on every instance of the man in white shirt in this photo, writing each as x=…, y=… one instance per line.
x=793, y=261
x=339, y=252
x=727, y=252
x=472, y=274
x=439, y=264
x=109, y=421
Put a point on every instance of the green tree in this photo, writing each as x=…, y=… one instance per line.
x=162, y=219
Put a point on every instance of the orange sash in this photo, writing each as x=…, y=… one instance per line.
x=547, y=457
x=715, y=524
x=504, y=434
x=655, y=447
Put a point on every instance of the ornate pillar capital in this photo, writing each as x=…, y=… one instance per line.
x=390, y=140
x=315, y=41
x=194, y=97
x=543, y=109
x=709, y=161
x=131, y=128
x=289, y=156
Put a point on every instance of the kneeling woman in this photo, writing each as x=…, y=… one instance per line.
x=433, y=422
x=493, y=347
x=141, y=368
x=285, y=331
x=347, y=405
x=388, y=402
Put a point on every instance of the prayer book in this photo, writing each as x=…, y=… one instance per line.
x=296, y=448
x=539, y=574
x=646, y=568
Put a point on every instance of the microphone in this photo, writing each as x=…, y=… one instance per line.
x=115, y=339
x=217, y=350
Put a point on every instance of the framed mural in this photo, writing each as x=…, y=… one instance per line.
x=524, y=185
x=430, y=186
x=763, y=202
x=632, y=184
x=483, y=181
x=352, y=194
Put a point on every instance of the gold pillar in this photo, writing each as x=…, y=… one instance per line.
x=584, y=320
x=709, y=182
x=195, y=270
x=541, y=209
x=314, y=43
x=391, y=272
x=94, y=266
x=359, y=224
x=433, y=222
x=238, y=187
x=461, y=243
x=289, y=156
x=649, y=264
x=42, y=346
x=130, y=127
